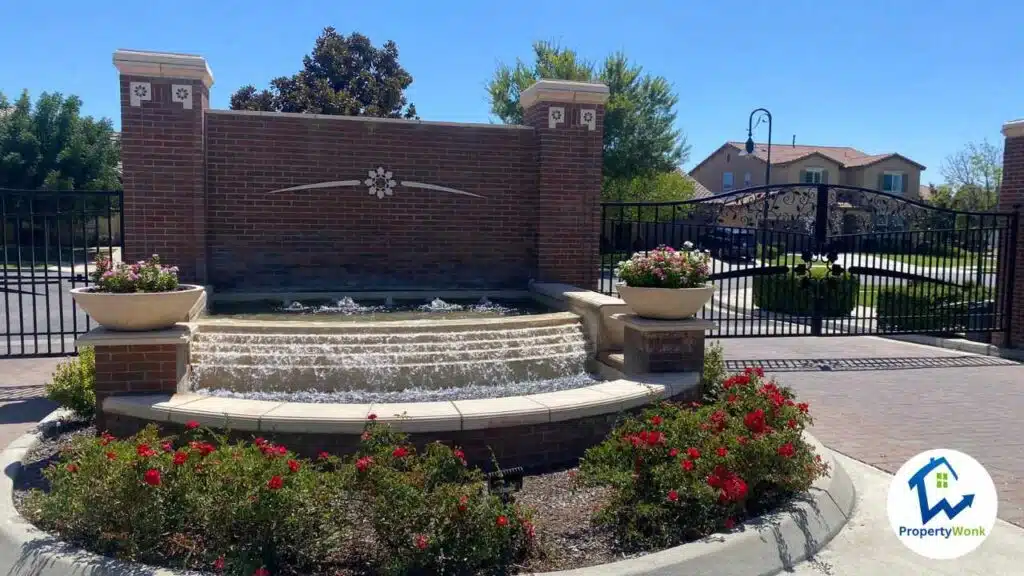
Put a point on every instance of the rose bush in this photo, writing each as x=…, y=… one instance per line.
x=197, y=501
x=680, y=472
x=143, y=276
x=666, y=267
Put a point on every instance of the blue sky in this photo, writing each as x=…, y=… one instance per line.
x=919, y=77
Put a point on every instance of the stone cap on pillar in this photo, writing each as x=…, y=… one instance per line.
x=1014, y=129
x=563, y=91
x=163, y=65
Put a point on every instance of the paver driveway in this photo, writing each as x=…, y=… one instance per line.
x=884, y=401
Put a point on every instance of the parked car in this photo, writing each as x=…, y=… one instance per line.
x=727, y=243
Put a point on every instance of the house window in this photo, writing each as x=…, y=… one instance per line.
x=726, y=181
x=814, y=175
x=892, y=182
x=746, y=180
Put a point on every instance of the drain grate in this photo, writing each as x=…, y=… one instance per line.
x=853, y=364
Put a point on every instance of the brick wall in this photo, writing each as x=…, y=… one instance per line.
x=136, y=369
x=344, y=238
x=1011, y=197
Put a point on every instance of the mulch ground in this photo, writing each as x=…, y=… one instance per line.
x=562, y=511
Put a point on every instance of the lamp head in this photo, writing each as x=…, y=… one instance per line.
x=750, y=144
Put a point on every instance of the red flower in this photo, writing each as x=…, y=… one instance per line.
x=673, y=452
x=144, y=451
x=736, y=380
x=421, y=542
x=293, y=465
x=152, y=477
x=463, y=503
x=656, y=420
x=719, y=420
x=167, y=447
x=645, y=439
x=400, y=452
x=754, y=370
x=791, y=423
x=731, y=487
x=281, y=450
x=218, y=564
x=111, y=456
x=259, y=441
x=106, y=438
x=729, y=523
x=531, y=532
x=502, y=521
x=72, y=467
x=204, y=448
x=722, y=452
x=365, y=436
x=755, y=422
x=743, y=440
x=323, y=455
x=191, y=425
x=732, y=399
x=803, y=407
x=364, y=463
x=180, y=458
x=786, y=450
x=275, y=483
x=371, y=416
x=673, y=495
x=687, y=465
x=261, y=571
x=460, y=455
x=693, y=453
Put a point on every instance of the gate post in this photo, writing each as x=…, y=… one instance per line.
x=1011, y=196
x=164, y=98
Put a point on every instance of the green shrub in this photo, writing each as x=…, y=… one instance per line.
x=767, y=252
x=714, y=372
x=926, y=306
x=790, y=293
x=678, y=473
x=74, y=384
x=198, y=502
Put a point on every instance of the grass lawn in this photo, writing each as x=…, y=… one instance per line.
x=966, y=260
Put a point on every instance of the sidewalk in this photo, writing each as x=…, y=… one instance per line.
x=867, y=545
x=21, y=395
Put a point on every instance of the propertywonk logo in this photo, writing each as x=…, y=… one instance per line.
x=942, y=504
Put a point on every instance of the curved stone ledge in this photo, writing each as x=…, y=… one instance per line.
x=762, y=546
x=220, y=325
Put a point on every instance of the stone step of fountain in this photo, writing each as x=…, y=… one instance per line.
x=272, y=347
x=441, y=339
x=433, y=327
x=264, y=376
x=342, y=357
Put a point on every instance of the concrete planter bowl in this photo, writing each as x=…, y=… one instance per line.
x=140, y=311
x=665, y=303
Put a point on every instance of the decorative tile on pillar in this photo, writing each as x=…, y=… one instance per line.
x=588, y=118
x=556, y=116
x=182, y=93
x=138, y=92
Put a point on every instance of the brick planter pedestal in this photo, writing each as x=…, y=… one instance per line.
x=658, y=346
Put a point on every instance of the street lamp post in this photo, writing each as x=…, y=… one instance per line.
x=765, y=114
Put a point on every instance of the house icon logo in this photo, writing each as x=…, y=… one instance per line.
x=942, y=504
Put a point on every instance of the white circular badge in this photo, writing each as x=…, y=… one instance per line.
x=942, y=504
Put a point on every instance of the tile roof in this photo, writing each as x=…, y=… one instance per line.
x=844, y=155
x=699, y=190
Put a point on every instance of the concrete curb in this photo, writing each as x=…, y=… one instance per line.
x=761, y=547
x=960, y=344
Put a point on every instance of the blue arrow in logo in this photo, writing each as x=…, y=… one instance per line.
x=917, y=482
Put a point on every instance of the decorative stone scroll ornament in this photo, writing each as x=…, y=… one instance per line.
x=556, y=116
x=139, y=92
x=182, y=93
x=380, y=183
x=588, y=118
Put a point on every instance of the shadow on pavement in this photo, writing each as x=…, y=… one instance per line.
x=25, y=411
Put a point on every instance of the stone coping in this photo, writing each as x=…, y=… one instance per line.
x=766, y=545
x=338, y=118
x=100, y=336
x=563, y=91
x=163, y=65
x=414, y=417
x=374, y=295
x=651, y=325
x=444, y=325
x=570, y=292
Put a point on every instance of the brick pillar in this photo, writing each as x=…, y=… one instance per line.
x=1011, y=197
x=569, y=121
x=163, y=102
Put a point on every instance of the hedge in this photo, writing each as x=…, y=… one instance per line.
x=790, y=294
x=925, y=306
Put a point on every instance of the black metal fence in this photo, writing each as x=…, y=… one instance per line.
x=48, y=241
x=796, y=260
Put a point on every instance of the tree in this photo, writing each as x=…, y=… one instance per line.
x=639, y=135
x=345, y=75
x=974, y=175
x=51, y=146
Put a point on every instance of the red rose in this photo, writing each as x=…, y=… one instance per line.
x=460, y=455
x=719, y=420
x=180, y=458
x=275, y=483
x=259, y=441
x=693, y=453
x=144, y=451
x=371, y=416
x=323, y=455
x=261, y=571
x=111, y=456
x=803, y=407
x=364, y=463
x=421, y=542
x=732, y=399
x=722, y=452
x=167, y=447
x=502, y=521
x=743, y=440
x=463, y=503
x=656, y=420
x=191, y=425
x=106, y=438
x=787, y=450
x=791, y=423
x=293, y=465
x=673, y=452
x=673, y=495
x=734, y=489
x=218, y=564
x=755, y=422
x=72, y=467
x=281, y=450
x=687, y=465
x=400, y=452
x=365, y=436
x=152, y=477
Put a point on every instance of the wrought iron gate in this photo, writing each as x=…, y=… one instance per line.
x=825, y=260
x=48, y=241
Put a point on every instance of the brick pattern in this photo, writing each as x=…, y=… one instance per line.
x=569, y=166
x=681, y=351
x=163, y=174
x=1011, y=197
x=135, y=369
x=345, y=238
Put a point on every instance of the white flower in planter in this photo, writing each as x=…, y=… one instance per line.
x=380, y=182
